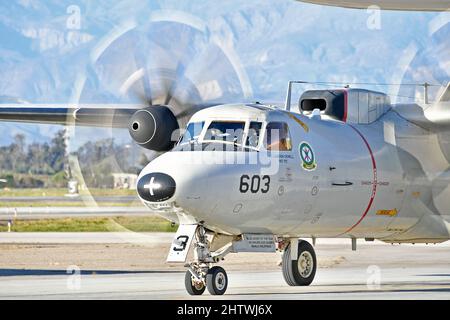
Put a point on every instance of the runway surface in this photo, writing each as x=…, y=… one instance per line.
x=114, y=266
x=85, y=237
x=70, y=212
x=115, y=199
x=351, y=283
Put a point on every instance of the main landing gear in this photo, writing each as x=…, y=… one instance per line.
x=300, y=269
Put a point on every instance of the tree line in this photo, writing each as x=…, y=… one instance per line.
x=35, y=158
x=43, y=164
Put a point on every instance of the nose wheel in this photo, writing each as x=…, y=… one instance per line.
x=216, y=281
x=193, y=286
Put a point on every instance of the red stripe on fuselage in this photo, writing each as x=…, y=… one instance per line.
x=374, y=183
x=345, y=106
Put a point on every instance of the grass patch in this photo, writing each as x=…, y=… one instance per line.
x=135, y=224
x=145, y=224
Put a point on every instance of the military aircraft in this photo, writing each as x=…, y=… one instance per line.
x=404, y=5
x=257, y=178
x=252, y=177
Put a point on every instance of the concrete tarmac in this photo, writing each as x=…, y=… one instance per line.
x=115, y=199
x=118, y=267
x=70, y=212
x=350, y=283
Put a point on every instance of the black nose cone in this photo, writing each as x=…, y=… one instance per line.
x=156, y=187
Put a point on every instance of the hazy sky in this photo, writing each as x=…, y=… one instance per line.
x=85, y=51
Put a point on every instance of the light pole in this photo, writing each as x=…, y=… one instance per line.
x=72, y=183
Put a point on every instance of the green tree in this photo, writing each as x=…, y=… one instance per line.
x=57, y=156
x=17, y=154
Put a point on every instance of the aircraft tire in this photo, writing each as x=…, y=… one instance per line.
x=301, y=271
x=191, y=288
x=216, y=281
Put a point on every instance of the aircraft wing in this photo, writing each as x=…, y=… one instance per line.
x=116, y=116
x=405, y=5
x=151, y=127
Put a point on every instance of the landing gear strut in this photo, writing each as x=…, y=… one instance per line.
x=201, y=274
x=299, y=270
x=299, y=260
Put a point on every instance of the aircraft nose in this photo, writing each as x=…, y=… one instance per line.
x=156, y=187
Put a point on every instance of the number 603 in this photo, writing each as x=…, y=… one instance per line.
x=254, y=184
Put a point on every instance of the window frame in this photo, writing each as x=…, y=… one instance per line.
x=264, y=143
x=243, y=145
x=261, y=135
x=192, y=138
x=206, y=128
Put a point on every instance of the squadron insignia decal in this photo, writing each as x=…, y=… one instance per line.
x=307, y=156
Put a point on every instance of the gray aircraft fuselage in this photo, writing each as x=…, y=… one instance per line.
x=386, y=179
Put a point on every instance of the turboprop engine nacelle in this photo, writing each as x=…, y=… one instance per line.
x=153, y=127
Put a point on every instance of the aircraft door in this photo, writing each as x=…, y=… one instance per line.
x=278, y=142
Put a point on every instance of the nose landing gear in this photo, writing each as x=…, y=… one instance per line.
x=215, y=279
x=201, y=274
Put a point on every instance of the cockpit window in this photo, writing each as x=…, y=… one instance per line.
x=278, y=137
x=193, y=131
x=254, y=131
x=221, y=135
x=226, y=131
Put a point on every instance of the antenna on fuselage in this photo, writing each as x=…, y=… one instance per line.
x=425, y=92
x=287, y=105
